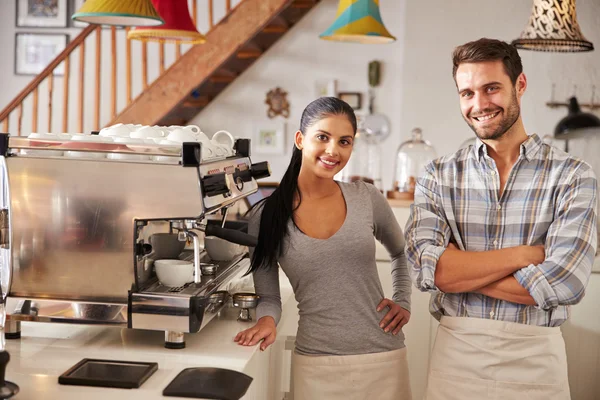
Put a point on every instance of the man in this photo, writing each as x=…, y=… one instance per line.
x=504, y=235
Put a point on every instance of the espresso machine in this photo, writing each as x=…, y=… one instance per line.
x=77, y=221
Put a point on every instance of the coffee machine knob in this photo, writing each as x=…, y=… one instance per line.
x=260, y=170
x=213, y=185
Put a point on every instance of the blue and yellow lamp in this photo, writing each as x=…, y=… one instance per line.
x=358, y=21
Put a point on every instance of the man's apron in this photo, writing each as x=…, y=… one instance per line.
x=482, y=359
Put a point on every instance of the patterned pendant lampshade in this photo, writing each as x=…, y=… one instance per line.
x=118, y=12
x=553, y=27
x=358, y=21
x=178, y=27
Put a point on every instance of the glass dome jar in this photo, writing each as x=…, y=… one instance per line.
x=365, y=162
x=411, y=158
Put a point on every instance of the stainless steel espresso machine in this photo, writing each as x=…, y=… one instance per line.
x=77, y=221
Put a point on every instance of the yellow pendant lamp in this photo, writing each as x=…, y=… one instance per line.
x=178, y=26
x=358, y=21
x=119, y=13
x=553, y=27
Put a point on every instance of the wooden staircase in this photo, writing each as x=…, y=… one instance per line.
x=178, y=94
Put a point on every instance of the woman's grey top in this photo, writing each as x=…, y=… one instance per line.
x=335, y=280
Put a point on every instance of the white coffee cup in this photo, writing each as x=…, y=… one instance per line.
x=120, y=130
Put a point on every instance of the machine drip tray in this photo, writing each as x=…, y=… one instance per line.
x=108, y=373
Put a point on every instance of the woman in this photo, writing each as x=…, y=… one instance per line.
x=349, y=343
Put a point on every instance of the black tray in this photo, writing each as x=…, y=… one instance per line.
x=209, y=383
x=108, y=373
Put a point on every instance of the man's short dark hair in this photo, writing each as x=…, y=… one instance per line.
x=489, y=50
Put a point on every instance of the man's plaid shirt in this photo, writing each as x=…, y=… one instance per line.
x=549, y=199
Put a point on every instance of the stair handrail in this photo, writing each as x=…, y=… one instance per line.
x=35, y=82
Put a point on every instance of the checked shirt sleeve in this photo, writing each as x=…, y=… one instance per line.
x=570, y=247
x=427, y=232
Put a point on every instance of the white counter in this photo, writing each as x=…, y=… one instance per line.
x=45, y=351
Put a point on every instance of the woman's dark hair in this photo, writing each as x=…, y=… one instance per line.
x=279, y=206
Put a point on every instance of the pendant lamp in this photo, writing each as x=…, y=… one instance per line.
x=118, y=12
x=178, y=27
x=358, y=21
x=553, y=27
x=575, y=120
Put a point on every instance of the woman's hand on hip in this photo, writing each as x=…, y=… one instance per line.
x=395, y=318
x=265, y=330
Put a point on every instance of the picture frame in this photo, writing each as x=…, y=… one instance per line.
x=354, y=99
x=34, y=51
x=269, y=137
x=41, y=13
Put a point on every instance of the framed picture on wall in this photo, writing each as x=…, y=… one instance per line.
x=269, y=137
x=42, y=13
x=354, y=99
x=34, y=51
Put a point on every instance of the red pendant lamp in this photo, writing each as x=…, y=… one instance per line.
x=178, y=26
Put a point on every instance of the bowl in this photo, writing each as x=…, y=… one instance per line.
x=174, y=273
x=220, y=249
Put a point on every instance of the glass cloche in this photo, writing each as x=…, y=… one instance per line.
x=365, y=161
x=411, y=158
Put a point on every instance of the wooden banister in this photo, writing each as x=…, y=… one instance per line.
x=20, y=120
x=145, y=65
x=47, y=71
x=66, y=79
x=211, y=17
x=161, y=57
x=195, y=12
x=50, y=92
x=128, y=67
x=98, y=77
x=113, y=92
x=34, y=118
x=81, y=84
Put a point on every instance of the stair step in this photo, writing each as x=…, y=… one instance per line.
x=221, y=79
x=199, y=102
x=303, y=4
x=280, y=29
x=245, y=54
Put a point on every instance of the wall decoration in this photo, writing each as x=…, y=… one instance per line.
x=354, y=99
x=326, y=88
x=34, y=51
x=278, y=103
x=269, y=137
x=42, y=13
